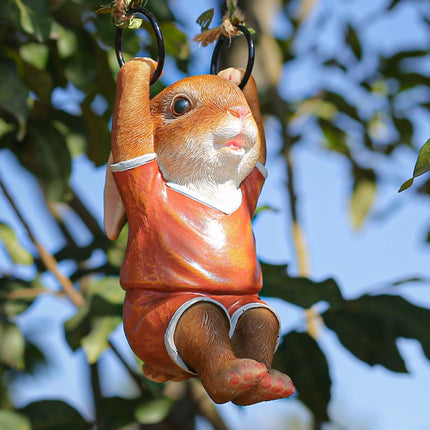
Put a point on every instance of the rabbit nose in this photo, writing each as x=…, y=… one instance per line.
x=239, y=111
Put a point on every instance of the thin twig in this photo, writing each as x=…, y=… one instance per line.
x=205, y=406
x=47, y=258
x=297, y=233
x=25, y=293
x=135, y=376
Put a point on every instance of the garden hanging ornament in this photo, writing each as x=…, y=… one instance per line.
x=185, y=172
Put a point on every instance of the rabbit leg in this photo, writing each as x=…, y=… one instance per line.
x=202, y=340
x=255, y=337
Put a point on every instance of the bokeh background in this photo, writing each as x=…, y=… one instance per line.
x=345, y=92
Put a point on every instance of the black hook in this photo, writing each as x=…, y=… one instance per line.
x=158, y=36
x=251, y=55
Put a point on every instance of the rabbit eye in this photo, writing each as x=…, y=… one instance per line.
x=181, y=105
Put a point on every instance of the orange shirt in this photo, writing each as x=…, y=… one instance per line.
x=177, y=243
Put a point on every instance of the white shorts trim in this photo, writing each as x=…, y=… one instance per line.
x=169, y=336
x=238, y=313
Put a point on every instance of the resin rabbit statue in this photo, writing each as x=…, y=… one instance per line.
x=185, y=172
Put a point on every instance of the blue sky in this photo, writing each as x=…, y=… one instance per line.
x=384, y=249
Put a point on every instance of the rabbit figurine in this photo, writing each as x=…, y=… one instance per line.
x=185, y=172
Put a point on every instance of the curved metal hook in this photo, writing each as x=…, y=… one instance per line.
x=251, y=55
x=158, y=36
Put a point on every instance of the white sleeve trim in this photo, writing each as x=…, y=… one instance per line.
x=239, y=312
x=262, y=168
x=169, y=336
x=133, y=162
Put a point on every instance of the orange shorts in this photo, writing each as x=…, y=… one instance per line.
x=150, y=319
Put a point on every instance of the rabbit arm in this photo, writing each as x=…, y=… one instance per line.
x=131, y=134
x=132, y=125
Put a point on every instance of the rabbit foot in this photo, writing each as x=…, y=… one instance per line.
x=230, y=382
x=274, y=385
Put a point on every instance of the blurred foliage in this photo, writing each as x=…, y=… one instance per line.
x=52, y=45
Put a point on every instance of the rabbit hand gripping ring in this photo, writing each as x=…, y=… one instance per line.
x=185, y=172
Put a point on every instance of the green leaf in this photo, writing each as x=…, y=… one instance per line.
x=44, y=152
x=300, y=357
x=96, y=341
x=362, y=199
x=10, y=420
x=33, y=357
x=13, y=306
x=154, y=411
x=175, y=41
x=35, y=18
x=352, y=39
x=35, y=54
x=77, y=327
x=205, y=19
x=370, y=336
x=335, y=137
x=54, y=415
x=299, y=291
x=405, y=129
x=405, y=319
x=341, y=104
x=422, y=165
x=17, y=253
x=13, y=94
x=108, y=288
x=12, y=345
x=118, y=412
x=98, y=134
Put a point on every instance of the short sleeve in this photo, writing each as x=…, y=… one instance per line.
x=251, y=186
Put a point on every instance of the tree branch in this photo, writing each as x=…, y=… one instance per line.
x=47, y=258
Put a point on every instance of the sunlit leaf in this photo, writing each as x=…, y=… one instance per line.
x=17, y=253
x=35, y=54
x=108, y=288
x=12, y=345
x=175, y=41
x=154, y=411
x=422, y=165
x=10, y=420
x=96, y=341
x=362, y=199
x=300, y=357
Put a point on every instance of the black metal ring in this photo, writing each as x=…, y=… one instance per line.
x=251, y=55
x=158, y=36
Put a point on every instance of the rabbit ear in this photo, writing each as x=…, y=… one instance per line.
x=251, y=94
x=114, y=212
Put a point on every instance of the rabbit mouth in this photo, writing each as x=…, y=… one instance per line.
x=237, y=144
